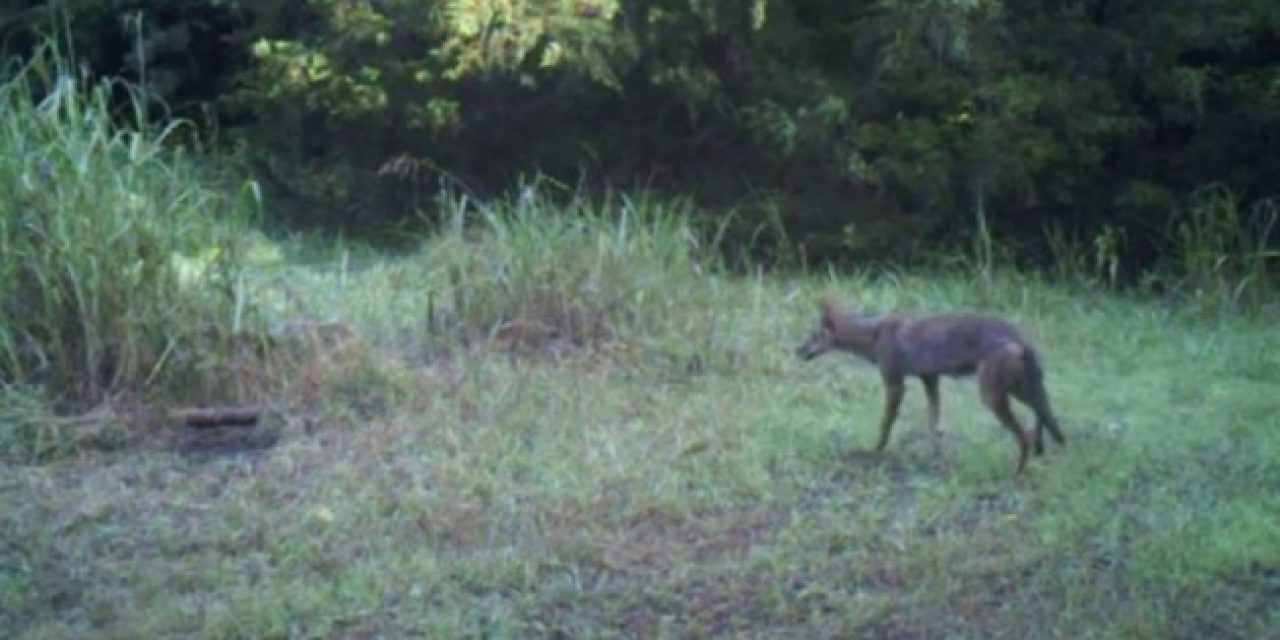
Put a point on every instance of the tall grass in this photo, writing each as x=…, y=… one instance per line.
x=538, y=269
x=1216, y=253
x=118, y=256
x=1220, y=248
x=529, y=269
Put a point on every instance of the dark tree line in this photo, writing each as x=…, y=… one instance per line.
x=863, y=128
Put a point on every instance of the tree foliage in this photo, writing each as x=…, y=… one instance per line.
x=863, y=126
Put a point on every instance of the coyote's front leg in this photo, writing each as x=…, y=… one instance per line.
x=893, y=390
x=930, y=381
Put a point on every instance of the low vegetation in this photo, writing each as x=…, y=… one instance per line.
x=118, y=252
x=673, y=471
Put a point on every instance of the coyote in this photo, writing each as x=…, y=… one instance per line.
x=953, y=344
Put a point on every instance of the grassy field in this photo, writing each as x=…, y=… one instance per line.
x=672, y=470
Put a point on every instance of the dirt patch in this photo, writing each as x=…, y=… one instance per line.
x=203, y=444
x=660, y=539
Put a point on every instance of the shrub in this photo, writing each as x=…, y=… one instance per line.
x=118, y=257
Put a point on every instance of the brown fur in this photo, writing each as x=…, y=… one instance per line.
x=955, y=345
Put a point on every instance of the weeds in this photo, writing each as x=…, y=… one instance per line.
x=118, y=259
x=529, y=271
x=1221, y=249
x=28, y=432
x=525, y=273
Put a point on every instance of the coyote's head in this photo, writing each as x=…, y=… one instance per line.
x=823, y=338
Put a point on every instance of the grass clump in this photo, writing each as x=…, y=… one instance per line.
x=27, y=430
x=525, y=273
x=118, y=257
x=528, y=271
x=1221, y=249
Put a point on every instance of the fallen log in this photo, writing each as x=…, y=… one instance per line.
x=217, y=416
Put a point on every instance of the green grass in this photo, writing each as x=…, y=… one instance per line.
x=677, y=473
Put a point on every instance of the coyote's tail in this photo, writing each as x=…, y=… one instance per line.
x=1038, y=396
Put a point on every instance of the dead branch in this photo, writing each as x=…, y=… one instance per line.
x=217, y=416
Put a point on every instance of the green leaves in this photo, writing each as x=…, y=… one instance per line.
x=1047, y=109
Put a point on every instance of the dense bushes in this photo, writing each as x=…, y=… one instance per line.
x=863, y=128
